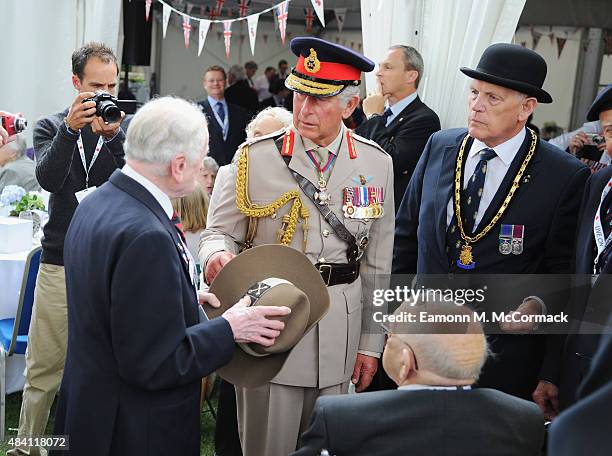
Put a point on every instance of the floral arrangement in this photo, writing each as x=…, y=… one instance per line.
x=20, y=200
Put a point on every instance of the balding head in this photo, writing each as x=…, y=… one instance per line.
x=444, y=346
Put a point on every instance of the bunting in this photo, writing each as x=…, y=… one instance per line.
x=282, y=20
x=309, y=16
x=165, y=18
x=252, y=21
x=243, y=7
x=560, y=45
x=340, y=17
x=202, y=32
x=320, y=10
x=147, y=9
x=186, y=29
x=227, y=36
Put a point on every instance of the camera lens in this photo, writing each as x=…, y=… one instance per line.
x=20, y=124
x=109, y=111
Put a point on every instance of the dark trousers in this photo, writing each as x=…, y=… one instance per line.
x=227, y=441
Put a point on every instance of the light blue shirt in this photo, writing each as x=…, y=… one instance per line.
x=400, y=106
x=225, y=124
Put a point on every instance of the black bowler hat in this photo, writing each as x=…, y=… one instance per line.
x=603, y=102
x=514, y=67
x=325, y=69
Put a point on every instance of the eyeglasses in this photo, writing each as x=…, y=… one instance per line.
x=388, y=332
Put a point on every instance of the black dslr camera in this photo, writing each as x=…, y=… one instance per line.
x=106, y=107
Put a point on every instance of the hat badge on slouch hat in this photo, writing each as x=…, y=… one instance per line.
x=271, y=275
x=325, y=69
x=514, y=67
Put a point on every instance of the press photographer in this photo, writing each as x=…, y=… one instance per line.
x=76, y=151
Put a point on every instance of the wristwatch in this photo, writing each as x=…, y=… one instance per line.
x=70, y=130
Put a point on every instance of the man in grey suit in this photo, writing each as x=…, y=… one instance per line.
x=434, y=410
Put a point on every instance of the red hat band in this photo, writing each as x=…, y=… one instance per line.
x=315, y=68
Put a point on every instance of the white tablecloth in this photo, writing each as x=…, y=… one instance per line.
x=11, y=275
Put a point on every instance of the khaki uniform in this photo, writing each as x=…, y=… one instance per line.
x=325, y=357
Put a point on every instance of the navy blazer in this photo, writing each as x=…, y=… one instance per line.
x=136, y=352
x=404, y=139
x=424, y=422
x=585, y=427
x=589, y=302
x=546, y=203
x=223, y=150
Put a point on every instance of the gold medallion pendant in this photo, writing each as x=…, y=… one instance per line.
x=466, y=259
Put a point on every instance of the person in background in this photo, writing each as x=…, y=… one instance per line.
x=268, y=121
x=226, y=121
x=239, y=91
x=281, y=96
x=76, y=152
x=250, y=68
x=15, y=166
x=4, y=136
x=403, y=127
x=192, y=209
x=262, y=83
x=283, y=69
x=208, y=174
x=433, y=366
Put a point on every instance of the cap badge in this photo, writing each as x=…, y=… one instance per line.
x=312, y=63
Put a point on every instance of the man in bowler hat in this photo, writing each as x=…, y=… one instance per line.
x=526, y=228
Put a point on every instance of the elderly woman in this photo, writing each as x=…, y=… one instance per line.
x=208, y=174
x=268, y=121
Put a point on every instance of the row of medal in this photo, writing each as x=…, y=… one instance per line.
x=363, y=202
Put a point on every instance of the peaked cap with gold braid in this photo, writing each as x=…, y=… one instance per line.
x=325, y=69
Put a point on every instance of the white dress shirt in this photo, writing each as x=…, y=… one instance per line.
x=496, y=171
x=158, y=194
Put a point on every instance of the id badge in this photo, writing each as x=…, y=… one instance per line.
x=80, y=196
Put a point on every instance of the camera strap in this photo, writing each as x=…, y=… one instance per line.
x=93, y=159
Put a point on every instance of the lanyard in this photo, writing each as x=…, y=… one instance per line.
x=225, y=124
x=598, y=232
x=93, y=159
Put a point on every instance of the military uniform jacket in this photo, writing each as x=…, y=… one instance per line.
x=326, y=355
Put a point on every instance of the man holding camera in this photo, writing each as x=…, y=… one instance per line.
x=77, y=150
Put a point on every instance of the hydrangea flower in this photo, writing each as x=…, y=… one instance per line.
x=11, y=194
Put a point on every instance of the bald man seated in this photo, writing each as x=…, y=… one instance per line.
x=434, y=411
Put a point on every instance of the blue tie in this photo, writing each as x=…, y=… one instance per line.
x=221, y=112
x=470, y=198
x=386, y=114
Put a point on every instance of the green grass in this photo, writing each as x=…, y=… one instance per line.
x=13, y=406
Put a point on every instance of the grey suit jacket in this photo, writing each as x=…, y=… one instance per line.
x=424, y=422
x=19, y=172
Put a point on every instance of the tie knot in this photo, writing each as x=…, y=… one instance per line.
x=487, y=154
x=387, y=113
x=175, y=218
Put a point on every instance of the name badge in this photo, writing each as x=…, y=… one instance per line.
x=80, y=196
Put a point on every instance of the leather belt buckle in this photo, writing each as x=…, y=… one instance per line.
x=323, y=269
